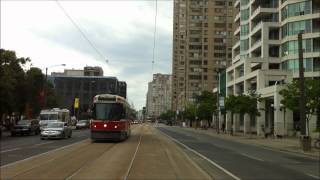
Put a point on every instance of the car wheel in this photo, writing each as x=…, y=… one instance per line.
x=42, y=138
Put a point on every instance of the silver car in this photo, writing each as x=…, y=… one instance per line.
x=56, y=130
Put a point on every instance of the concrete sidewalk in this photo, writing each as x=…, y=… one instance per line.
x=286, y=144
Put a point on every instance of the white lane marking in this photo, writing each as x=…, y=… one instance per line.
x=251, y=157
x=134, y=156
x=42, y=143
x=204, y=157
x=32, y=157
x=316, y=177
x=8, y=150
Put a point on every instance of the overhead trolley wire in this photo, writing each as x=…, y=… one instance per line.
x=81, y=32
x=83, y=35
x=154, y=35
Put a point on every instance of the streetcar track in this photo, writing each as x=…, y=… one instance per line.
x=70, y=154
x=87, y=146
x=133, y=158
x=85, y=164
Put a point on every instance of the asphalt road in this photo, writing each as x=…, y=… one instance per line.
x=246, y=161
x=21, y=147
x=147, y=154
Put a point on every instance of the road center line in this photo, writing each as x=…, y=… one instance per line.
x=8, y=150
x=202, y=156
x=251, y=157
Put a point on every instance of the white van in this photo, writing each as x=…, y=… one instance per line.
x=54, y=115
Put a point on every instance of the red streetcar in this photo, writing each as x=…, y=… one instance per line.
x=111, y=118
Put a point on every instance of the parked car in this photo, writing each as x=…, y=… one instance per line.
x=82, y=124
x=56, y=130
x=26, y=127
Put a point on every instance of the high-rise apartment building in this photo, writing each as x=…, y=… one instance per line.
x=265, y=58
x=202, y=44
x=159, y=95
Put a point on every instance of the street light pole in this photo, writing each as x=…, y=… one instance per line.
x=45, y=83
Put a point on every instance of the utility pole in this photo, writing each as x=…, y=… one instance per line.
x=305, y=139
x=302, y=105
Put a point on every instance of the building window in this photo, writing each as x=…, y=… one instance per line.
x=205, y=77
x=195, y=77
x=220, y=3
x=244, y=29
x=294, y=28
x=222, y=47
x=244, y=2
x=244, y=45
x=219, y=55
x=218, y=40
x=291, y=47
x=220, y=25
x=195, y=62
x=293, y=65
x=316, y=64
x=244, y=14
x=296, y=9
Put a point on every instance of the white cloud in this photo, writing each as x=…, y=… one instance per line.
x=122, y=31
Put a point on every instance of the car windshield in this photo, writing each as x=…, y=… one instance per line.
x=23, y=122
x=55, y=125
x=108, y=111
x=48, y=116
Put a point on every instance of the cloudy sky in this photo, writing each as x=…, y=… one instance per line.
x=122, y=31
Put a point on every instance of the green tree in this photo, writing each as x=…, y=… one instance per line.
x=53, y=99
x=35, y=83
x=12, y=78
x=190, y=113
x=206, y=106
x=249, y=103
x=291, y=96
x=242, y=104
x=231, y=104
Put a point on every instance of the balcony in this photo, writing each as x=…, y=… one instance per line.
x=265, y=10
x=256, y=27
x=237, y=31
x=237, y=18
x=237, y=3
x=236, y=58
x=237, y=44
x=256, y=44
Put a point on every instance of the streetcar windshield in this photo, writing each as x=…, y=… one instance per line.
x=108, y=111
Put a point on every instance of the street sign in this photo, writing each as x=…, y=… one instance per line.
x=76, y=103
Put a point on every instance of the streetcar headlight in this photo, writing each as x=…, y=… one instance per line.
x=115, y=126
x=105, y=125
x=95, y=126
